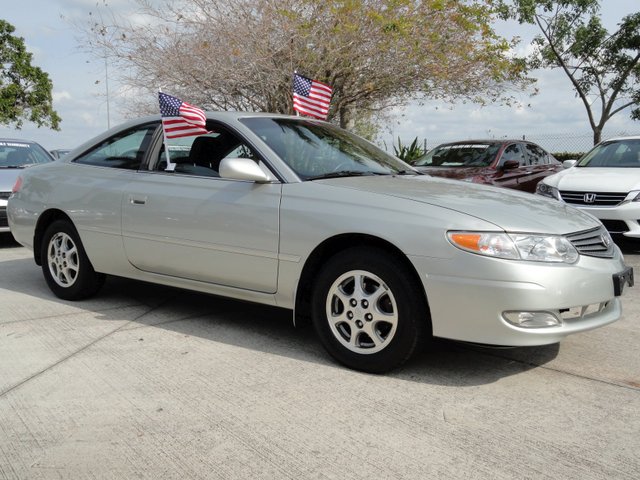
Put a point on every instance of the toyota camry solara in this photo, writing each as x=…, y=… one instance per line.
x=300, y=214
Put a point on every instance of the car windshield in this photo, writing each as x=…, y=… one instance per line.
x=460, y=155
x=15, y=154
x=613, y=154
x=315, y=149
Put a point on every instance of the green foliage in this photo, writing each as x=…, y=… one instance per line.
x=25, y=90
x=562, y=156
x=604, y=68
x=409, y=153
x=376, y=54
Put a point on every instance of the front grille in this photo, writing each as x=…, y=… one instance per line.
x=593, y=243
x=3, y=217
x=601, y=199
x=615, y=226
x=5, y=195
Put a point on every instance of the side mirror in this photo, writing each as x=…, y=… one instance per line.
x=242, y=169
x=569, y=163
x=510, y=165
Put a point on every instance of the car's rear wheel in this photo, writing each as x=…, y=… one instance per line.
x=368, y=311
x=65, y=264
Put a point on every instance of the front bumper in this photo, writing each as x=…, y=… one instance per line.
x=4, y=225
x=469, y=294
x=614, y=218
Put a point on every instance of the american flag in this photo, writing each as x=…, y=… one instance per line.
x=179, y=119
x=311, y=97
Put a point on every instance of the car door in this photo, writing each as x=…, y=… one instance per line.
x=91, y=187
x=195, y=225
x=511, y=177
x=541, y=164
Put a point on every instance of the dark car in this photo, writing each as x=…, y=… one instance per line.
x=14, y=156
x=514, y=164
x=59, y=152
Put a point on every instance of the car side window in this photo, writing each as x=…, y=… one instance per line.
x=513, y=152
x=536, y=155
x=124, y=150
x=201, y=155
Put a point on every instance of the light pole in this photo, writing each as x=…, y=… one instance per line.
x=106, y=83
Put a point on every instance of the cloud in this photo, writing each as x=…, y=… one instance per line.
x=59, y=97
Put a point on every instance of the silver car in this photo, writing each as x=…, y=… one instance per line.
x=15, y=155
x=300, y=214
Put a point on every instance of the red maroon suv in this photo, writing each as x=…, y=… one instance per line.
x=514, y=164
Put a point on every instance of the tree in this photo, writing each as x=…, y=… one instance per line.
x=241, y=54
x=603, y=68
x=25, y=90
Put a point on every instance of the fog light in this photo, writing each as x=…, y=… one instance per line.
x=532, y=319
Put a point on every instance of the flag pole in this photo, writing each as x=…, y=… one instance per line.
x=295, y=72
x=170, y=166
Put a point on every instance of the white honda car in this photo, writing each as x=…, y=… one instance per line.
x=605, y=183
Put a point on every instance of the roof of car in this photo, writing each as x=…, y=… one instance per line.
x=227, y=115
x=211, y=115
x=629, y=137
x=482, y=141
x=18, y=140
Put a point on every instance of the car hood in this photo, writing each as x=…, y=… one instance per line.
x=596, y=179
x=457, y=173
x=8, y=178
x=507, y=209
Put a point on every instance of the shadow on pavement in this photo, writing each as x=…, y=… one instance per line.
x=627, y=245
x=271, y=330
x=7, y=241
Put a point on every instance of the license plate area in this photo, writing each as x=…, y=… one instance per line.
x=622, y=278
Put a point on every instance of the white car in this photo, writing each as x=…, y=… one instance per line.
x=605, y=183
x=300, y=214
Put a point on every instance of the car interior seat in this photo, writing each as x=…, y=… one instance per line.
x=17, y=157
x=629, y=159
x=203, y=159
x=205, y=153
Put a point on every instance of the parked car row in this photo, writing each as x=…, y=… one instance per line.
x=300, y=214
x=605, y=182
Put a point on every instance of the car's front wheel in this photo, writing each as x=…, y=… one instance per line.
x=65, y=264
x=368, y=311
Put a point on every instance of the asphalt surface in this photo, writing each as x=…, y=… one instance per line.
x=151, y=382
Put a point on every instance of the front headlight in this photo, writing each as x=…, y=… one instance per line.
x=547, y=191
x=516, y=246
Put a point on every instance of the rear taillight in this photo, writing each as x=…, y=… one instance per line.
x=17, y=185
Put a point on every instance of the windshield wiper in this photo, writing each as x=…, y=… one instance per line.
x=408, y=172
x=11, y=166
x=342, y=173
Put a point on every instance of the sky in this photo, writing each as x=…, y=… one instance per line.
x=80, y=98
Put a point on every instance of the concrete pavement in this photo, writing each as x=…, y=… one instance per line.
x=151, y=382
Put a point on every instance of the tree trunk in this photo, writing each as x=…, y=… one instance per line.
x=344, y=116
x=597, y=135
x=347, y=117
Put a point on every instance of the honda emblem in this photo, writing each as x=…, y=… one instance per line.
x=589, y=197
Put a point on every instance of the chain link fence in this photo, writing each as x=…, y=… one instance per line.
x=567, y=142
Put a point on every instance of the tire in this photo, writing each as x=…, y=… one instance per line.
x=375, y=327
x=65, y=265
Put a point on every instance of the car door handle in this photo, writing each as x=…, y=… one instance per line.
x=137, y=201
